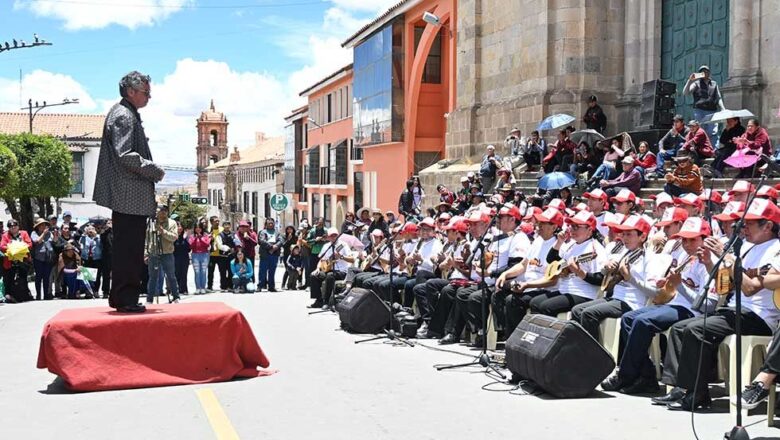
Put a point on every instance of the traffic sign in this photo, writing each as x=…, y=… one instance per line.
x=199, y=200
x=279, y=202
x=184, y=197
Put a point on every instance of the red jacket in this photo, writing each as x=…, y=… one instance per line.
x=200, y=244
x=699, y=142
x=758, y=142
x=648, y=162
x=7, y=239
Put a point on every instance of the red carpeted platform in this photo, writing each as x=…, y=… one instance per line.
x=97, y=348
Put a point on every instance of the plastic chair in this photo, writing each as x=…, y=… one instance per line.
x=492, y=335
x=749, y=367
x=609, y=336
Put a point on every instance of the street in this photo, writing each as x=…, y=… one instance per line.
x=327, y=387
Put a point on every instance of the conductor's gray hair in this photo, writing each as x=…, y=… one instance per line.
x=132, y=80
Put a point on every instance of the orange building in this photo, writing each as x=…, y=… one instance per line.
x=404, y=87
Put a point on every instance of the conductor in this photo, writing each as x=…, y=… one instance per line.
x=125, y=184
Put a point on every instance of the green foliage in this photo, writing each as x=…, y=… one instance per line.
x=188, y=212
x=43, y=165
x=8, y=168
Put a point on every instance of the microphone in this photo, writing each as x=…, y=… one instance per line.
x=771, y=166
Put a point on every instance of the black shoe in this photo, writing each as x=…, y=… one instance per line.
x=272, y=290
x=675, y=395
x=613, y=383
x=478, y=341
x=643, y=385
x=754, y=394
x=449, y=339
x=315, y=305
x=136, y=308
x=688, y=403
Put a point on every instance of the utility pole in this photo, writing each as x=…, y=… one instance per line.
x=30, y=107
x=21, y=44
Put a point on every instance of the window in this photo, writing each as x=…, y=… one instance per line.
x=267, y=202
x=326, y=208
x=332, y=161
x=77, y=173
x=432, y=71
x=358, y=181
x=220, y=199
x=313, y=170
x=330, y=108
x=355, y=153
x=254, y=203
x=339, y=170
x=315, y=205
x=246, y=202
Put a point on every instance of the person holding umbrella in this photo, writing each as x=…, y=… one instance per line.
x=733, y=130
x=755, y=140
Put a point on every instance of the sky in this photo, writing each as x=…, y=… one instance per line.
x=253, y=57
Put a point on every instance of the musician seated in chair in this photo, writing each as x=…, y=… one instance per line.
x=506, y=248
x=675, y=298
x=524, y=281
x=759, y=313
x=373, y=266
x=670, y=224
x=421, y=262
x=335, y=259
x=582, y=255
x=389, y=289
x=427, y=294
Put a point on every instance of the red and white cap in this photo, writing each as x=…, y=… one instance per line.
x=427, y=221
x=511, y=210
x=531, y=212
x=711, y=195
x=580, y=207
x=612, y=219
x=410, y=228
x=742, y=186
x=377, y=233
x=597, y=194
x=730, y=212
x=689, y=199
x=694, y=227
x=550, y=215
x=332, y=231
x=625, y=195
x=726, y=198
x=662, y=198
x=672, y=215
x=557, y=204
x=634, y=223
x=457, y=224
x=445, y=216
x=583, y=218
x=479, y=216
x=763, y=209
x=767, y=191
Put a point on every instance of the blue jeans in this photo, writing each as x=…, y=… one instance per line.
x=42, y=273
x=267, y=272
x=200, y=265
x=604, y=172
x=709, y=128
x=240, y=282
x=161, y=266
x=662, y=157
x=638, y=327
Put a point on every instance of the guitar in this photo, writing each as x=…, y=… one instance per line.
x=374, y=257
x=724, y=289
x=668, y=292
x=612, y=278
x=410, y=262
x=560, y=267
x=326, y=265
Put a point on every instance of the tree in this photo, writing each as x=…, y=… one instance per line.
x=42, y=171
x=8, y=169
x=188, y=213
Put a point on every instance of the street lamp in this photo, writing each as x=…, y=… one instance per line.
x=315, y=123
x=21, y=44
x=431, y=18
x=37, y=107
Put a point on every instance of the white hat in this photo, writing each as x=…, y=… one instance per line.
x=333, y=231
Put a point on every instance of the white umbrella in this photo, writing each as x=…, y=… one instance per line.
x=726, y=114
x=588, y=135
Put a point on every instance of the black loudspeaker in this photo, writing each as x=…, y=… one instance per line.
x=363, y=312
x=657, y=110
x=559, y=356
x=650, y=136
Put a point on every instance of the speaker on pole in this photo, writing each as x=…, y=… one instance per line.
x=657, y=109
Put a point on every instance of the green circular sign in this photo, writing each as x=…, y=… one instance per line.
x=279, y=202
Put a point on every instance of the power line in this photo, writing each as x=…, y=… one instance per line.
x=185, y=6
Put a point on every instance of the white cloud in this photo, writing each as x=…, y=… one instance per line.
x=365, y=5
x=97, y=15
x=40, y=86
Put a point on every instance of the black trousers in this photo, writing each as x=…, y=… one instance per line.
x=474, y=305
x=551, y=304
x=719, y=325
x=590, y=314
x=772, y=362
x=419, y=279
x=361, y=278
x=128, y=249
x=182, y=267
x=324, y=284
x=445, y=319
x=15, y=282
x=221, y=264
x=672, y=356
x=96, y=264
x=427, y=296
x=514, y=308
x=106, y=272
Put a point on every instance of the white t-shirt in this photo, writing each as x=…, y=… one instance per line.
x=428, y=249
x=339, y=265
x=455, y=274
x=675, y=249
x=694, y=277
x=649, y=267
x=505, y=249
x=408, y=248
x=603, y=230
x=573, y=284
x=761, y=303
x=536, y=262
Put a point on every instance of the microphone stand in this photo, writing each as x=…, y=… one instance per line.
x=389, y=333
x=483, y=358
x=332, y=254
x=737, y=432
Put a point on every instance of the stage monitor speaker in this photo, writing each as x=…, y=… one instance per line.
x=658, y=103
x=559, y=356
x=363, y=312
x=652, y=137
x=658, y=87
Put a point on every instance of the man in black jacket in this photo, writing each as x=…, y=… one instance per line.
x=406, y=201
x=594, y=118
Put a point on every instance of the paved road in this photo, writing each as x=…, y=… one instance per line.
x=327, y=388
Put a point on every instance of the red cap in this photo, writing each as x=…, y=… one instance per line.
x=511, y=210
x=662, y=198
x=612, y=220
x=580, y=207
x=597, y=194
x=427, y=221
x=742, y=186
x=550, y=215
x=694, y=227
x=672, y=215
x=730, y=212
x=763, y=209
x=583, y=218
x=410, y=228
x=634, y=223
x=478, y=216
x=625, y=195
x=767, y=191
x=527, y=227
x=715, y=197
x=243, y=223
x=557, y=204
x=531, y=212
x=689, y=199
x=457, y=224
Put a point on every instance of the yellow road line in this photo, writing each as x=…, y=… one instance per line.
x=219, y=421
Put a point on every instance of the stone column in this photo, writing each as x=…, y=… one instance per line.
x=745, y=82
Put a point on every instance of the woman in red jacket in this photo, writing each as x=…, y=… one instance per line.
x=645, y=159
x=200, y=243
x=15, y=272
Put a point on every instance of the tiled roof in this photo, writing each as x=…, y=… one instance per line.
x=390, y=13
x=269, y=149
x=72, y=126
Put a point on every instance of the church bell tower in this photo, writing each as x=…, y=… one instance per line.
x=212, y=143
